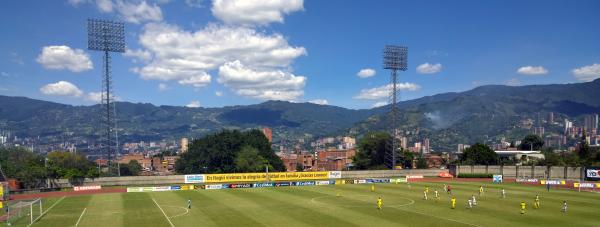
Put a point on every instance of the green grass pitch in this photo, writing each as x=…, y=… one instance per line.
x=320, y=206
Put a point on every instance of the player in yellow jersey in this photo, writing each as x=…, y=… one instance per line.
x=427, y=189
x=536, y=203
x=372, y=188
x=379, y=203
x=481, y=190
x=523, y=207
x=453, y=202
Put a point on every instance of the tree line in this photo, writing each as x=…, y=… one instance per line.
x=371, y=151
x=35, y=170
x=229, y=151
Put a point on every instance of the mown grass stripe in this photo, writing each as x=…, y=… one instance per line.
x=163, y=212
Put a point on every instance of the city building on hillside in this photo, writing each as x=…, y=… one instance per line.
x=434, y=161
x=184, y=145
x=129, y=157
x=335, y=160
x=292, y=161
x=268, y=133
x=520, y=156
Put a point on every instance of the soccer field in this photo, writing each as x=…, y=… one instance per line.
x=320, y=206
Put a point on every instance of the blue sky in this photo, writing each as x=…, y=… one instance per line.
x=219, y=53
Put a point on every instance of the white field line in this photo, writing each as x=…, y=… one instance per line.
x=181, y=214
x=163, y=212
x=412, y=211
x=80, y=216
x=46, y=211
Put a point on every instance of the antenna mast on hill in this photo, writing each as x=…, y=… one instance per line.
x=394, y=58
x=107, y=36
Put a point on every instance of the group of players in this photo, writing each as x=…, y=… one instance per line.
x=472, y=201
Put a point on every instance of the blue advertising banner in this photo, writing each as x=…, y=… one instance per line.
x=304, y=183
x=283, y=184
x=263, y=185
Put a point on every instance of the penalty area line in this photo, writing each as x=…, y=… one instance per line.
x=80, y=216
x=46, y=211
x=165, y=214
x=416, y=212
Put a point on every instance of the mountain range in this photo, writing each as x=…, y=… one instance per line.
x=485, y=113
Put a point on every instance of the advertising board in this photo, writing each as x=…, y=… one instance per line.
x=283, y=184
x=398, y=180
x=497, y=178
x=304, y=183
x=240, y=185
x=592, y=173
x=324, y=182
x=584, y=185
x=213, y=186
x=527, y=180
x=553, y=182
x=194, y=178
x=263, y=185
x=258, y=177
x=87, y=188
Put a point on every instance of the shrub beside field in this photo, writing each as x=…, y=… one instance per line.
x=475, y=175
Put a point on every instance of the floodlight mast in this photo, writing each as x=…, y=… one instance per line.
x=107, y=36
x=394, y=58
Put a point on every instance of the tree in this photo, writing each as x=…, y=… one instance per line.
x=551, y=158
x=248, y=160
x=74, y=167
x=216, y=153
x=299, y=167
x=371, y=151
x=422, y=163
x=529, y=140
x=583, y=150
x=134, y=167
x=479, y=154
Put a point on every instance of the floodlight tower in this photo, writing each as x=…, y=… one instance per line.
x=394, y=58
x=107, y=36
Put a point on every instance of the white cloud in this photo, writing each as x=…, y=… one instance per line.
x=186, y=56
x=76, y=2
x=587, y=73
x=379, y=104
x=193, y=104
x=63, y=57
x=532, y=70
x=163, y=87
x=218, y=93
x=254, y=12
x=138, y=12
x=132, y=11
x=195, y=3
x=199, y=80
x=319, y=101
x=141, y=55
x=384, y=91
x=427, y=68
x=267, y=84
x=61, y=88
x=105, y=6
x=364, y=73
x=96, y=97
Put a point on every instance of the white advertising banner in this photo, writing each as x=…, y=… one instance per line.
x=194, y=178
x=335, y=174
